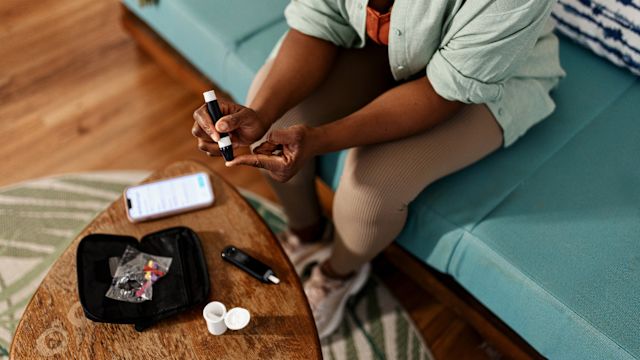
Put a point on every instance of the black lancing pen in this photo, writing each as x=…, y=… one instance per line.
x=214, y=111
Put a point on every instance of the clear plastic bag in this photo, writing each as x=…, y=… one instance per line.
x=134, y=277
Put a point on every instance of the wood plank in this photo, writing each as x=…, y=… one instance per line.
x=82, y=96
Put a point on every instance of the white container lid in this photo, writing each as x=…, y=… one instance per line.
x=237, y=318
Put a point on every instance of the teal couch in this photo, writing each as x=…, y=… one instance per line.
x=546, y=234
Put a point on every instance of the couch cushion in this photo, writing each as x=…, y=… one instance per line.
x=225, y=40
x=558, y=258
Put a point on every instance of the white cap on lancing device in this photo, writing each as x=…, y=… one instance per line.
x=209, y=96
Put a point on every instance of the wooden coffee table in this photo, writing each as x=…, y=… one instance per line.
x=281, y=324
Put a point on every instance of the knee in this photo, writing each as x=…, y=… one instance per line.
x=368, y=194
x=366, y=213
x=367, y=203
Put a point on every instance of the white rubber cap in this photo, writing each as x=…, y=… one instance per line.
x=209, y=96
x=224, y=142
x=237, y=318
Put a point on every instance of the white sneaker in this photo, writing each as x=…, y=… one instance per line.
x=328, y=297
x=303, y=254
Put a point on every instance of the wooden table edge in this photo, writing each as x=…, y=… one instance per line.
x=232, y=188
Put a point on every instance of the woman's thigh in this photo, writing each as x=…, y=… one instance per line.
x=357, y=77
x=390, y=175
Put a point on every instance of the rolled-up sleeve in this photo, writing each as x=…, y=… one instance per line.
x=324, y=19
x=481, y=53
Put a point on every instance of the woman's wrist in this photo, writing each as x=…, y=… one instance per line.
x=318, y=141
x=267, y=107
x=264, y=117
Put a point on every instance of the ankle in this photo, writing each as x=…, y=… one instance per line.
x=328, y=271
x=312, y=233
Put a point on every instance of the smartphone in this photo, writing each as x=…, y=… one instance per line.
x=252, y=266
x=168, y=197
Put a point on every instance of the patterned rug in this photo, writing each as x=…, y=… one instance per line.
x=39, y=218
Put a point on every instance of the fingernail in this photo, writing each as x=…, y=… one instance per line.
x=222, y=127
x=227, y=163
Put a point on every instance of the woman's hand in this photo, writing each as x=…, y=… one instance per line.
x=284, y=152
x=244, y=125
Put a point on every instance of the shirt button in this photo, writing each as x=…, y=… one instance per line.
x=397, y=31
x=359, y=5
x=400, y=68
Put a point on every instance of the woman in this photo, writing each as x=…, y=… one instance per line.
x=415, y=89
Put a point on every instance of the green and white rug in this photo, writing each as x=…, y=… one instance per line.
x=39, y=218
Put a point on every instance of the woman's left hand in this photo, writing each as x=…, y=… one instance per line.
x=283, y=154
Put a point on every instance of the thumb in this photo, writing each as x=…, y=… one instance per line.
x=226, y=123
x=232, y=121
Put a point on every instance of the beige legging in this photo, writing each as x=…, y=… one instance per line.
x=379, y=181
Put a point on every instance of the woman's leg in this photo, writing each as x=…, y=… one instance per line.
x=379, y=181
x=358, y=76
x=370, y=205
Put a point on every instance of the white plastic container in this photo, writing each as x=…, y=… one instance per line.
x=218, y=319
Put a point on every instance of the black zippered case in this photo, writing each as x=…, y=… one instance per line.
x=185, y=284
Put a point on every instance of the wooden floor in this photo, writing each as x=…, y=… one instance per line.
x=76, y=94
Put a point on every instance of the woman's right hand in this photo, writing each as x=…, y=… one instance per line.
x=244, y=125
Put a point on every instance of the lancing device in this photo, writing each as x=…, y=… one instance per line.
x=254, y=267
x=214, y=111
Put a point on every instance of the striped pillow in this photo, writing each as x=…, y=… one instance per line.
x=610, y=28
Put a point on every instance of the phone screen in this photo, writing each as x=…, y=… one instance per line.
x=170, y=196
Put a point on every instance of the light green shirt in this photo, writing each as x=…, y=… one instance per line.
x=496, y=52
